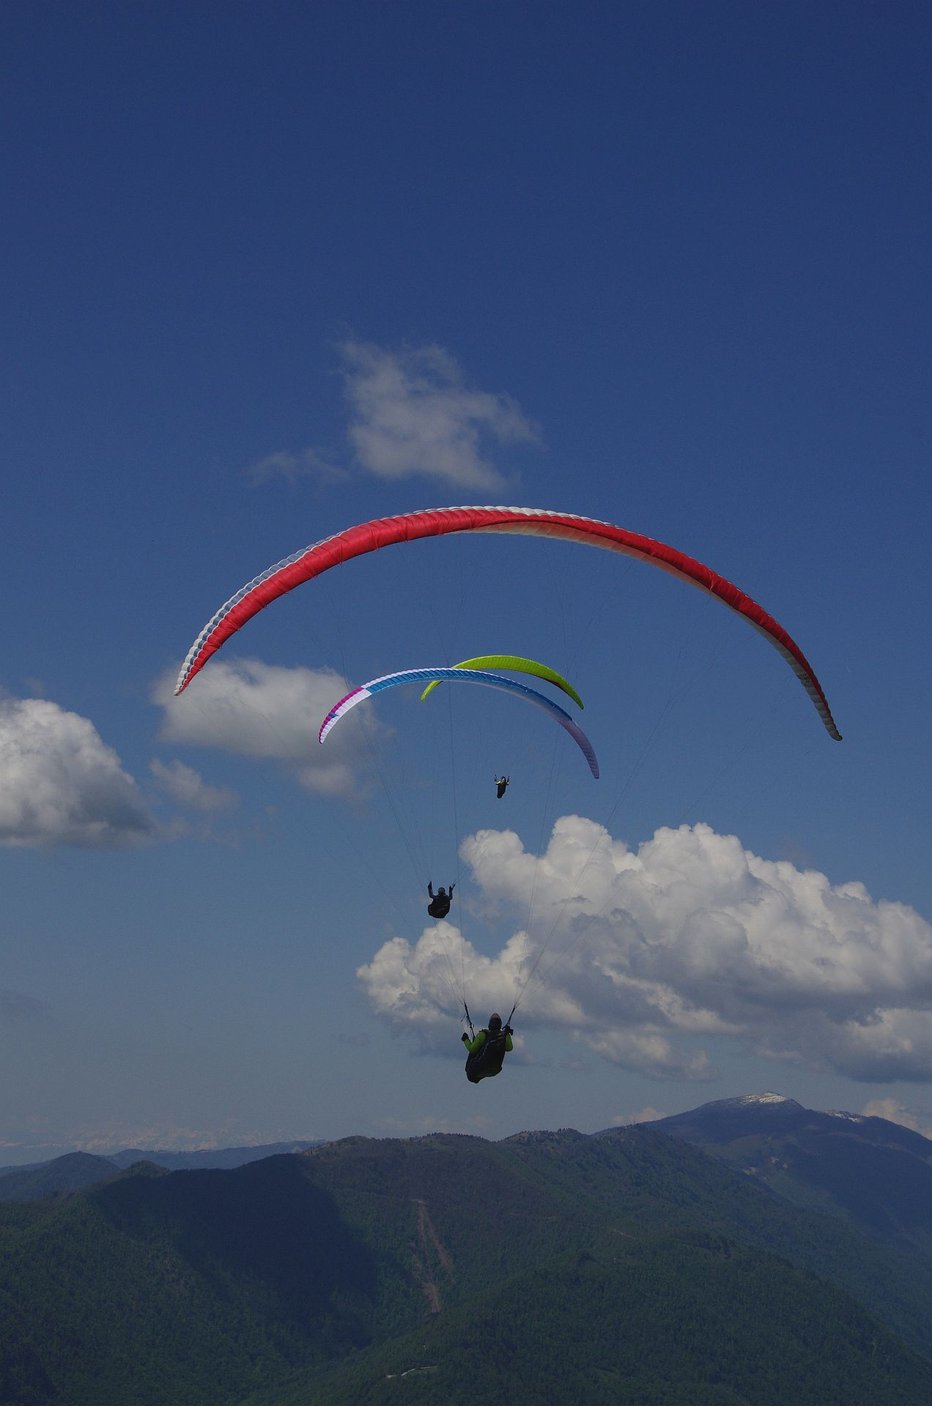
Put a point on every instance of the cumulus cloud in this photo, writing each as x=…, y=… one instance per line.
x=412, y=414
x=262, y=710
x=895, y=1112
x=185, y=786
x=60, y=784
x=653, y=955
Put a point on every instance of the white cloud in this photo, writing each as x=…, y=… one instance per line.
x=262, y=710
x=412, y=414
x=895, y=1112
x=646, y=1115
x=164, y=1137
x=60, y=784
x=292, y=466
x=653, y=955
x=189, y=789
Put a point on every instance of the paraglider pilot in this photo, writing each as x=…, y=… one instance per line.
x=501, y=784
x=439, y=905
x=486, y=1053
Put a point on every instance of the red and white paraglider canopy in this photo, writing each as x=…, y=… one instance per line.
x=537, y=522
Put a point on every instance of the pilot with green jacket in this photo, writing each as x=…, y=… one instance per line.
x=487, y=1051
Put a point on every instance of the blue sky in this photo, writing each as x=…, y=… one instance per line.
x=270, y=271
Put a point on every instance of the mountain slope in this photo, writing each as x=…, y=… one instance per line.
x=187, y=1287
x=72, y=1172
x=874, y=1173
x=694, y=1321
x=549, y=1253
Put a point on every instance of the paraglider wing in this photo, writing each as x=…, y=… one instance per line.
x=366, y=690
x=520, y=665
x=436, y=522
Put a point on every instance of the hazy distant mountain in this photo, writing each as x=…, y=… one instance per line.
x=72, y=1172
x=629, y=1267
x=876, y=1173
x=225, y=1158
x=79, y=1169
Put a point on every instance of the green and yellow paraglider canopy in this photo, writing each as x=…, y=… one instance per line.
x=516, y=664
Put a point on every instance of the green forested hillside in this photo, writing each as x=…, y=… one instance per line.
x=684, y=1322
x=555, y=1264
x=187, y=1287
x=540, y=1192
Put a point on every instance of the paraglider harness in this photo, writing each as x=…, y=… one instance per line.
x=489, y=1059
x=439, y=905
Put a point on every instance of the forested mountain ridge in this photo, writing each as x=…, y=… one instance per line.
x=578, y=1266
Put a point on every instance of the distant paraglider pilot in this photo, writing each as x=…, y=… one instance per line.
x=439, y=905
x=501, y=785
x=486, y=1053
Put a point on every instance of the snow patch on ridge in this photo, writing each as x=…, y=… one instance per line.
x=763, y=1098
